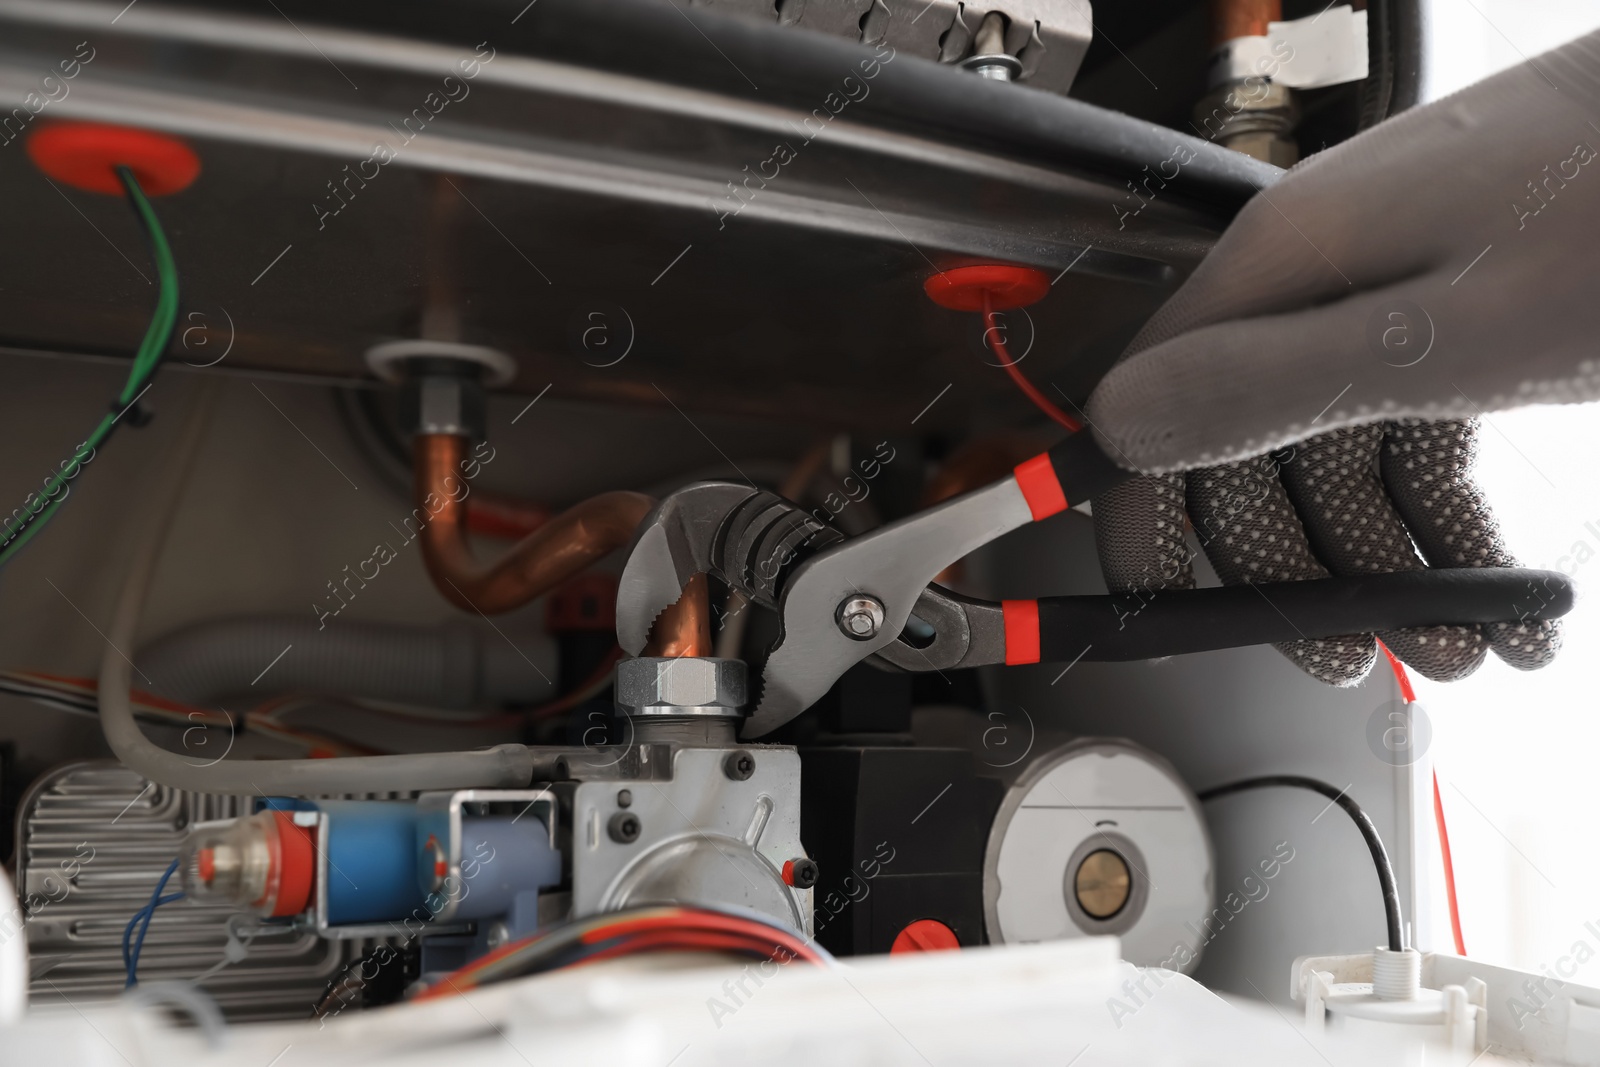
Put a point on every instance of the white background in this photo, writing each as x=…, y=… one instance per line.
x=1518, y=755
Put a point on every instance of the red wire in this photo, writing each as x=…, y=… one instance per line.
x=671, y=929
x=994, y=336
x=1409, y=696
x=698, y=920
x=684, y=941
x=1449, y=868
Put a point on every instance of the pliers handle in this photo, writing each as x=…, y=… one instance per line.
x=1148, y=625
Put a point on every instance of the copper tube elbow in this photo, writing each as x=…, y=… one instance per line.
x=560, y=548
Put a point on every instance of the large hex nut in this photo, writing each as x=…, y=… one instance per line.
x=687, y=685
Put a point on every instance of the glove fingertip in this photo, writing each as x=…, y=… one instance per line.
x=1440, y=653
x=1341, y=662
x=1527, y=645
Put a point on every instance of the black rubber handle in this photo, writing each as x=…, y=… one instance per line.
x=1083, y=469
x=1169, y=623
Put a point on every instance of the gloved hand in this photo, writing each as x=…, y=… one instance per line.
x=1431, y=269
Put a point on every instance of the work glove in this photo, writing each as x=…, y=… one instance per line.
x=1336, y=349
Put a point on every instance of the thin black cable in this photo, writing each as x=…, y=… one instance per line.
x=1369, y=832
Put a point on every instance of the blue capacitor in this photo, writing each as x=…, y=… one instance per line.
x=371, y=861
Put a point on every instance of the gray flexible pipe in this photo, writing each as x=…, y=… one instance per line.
x=503, y=766
x=449, y=666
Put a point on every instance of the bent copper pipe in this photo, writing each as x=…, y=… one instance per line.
x=506, y=517
x=560, y=548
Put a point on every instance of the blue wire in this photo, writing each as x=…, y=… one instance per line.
x=147, y=913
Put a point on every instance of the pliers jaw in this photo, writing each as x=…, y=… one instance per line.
x=748, y=538
x=676, y=541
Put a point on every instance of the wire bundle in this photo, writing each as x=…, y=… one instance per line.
x=131, y=946
x=41, y=507
x=80, y=697
x=666, y=928
x=77, y=695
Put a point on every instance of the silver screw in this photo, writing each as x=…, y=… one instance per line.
x=861, y=617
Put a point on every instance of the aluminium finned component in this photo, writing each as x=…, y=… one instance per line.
x=93, y=838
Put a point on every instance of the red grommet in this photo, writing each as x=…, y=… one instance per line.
x=297, y=865
x=86, y=155
x=962, y=288
x=925, y=935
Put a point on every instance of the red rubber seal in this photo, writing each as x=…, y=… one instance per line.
x=1022, y=631
x=1040, y=487
x=86, y=155
x=296, y=865
x=962, y=288
x=924, y=935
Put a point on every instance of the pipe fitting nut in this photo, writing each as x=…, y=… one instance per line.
x=686, y=685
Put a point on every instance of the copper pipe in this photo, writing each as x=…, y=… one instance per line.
x=506, y=517
x=584, y=533
x=684, y=629
x=1231, y=19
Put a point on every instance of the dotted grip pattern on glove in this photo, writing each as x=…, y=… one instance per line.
x=1361, y=500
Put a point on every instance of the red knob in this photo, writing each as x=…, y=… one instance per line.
x=925, y=935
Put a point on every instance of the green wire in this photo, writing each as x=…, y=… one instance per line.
x=157, y=336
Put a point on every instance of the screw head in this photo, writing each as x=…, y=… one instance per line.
x=739, y=766
x=624, y=828
x=860, y=617
x=800, y=873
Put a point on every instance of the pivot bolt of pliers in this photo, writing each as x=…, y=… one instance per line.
x=861, y=617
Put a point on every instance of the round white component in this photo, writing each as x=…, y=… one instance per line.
x=387, y=360
x=1047, y=875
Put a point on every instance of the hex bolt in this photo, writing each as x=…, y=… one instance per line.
x=800, y=873
x=739, y=766
x=860, y=617
x=624, y=828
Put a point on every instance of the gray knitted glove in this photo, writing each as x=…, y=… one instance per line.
x=1437, y=266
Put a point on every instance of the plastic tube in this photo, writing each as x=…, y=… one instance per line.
x=503, y=766
x=450, y=666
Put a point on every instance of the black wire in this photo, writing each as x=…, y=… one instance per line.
x=1369, y=832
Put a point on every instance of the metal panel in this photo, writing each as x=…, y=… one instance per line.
x=699, y=829
x=552, y=190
